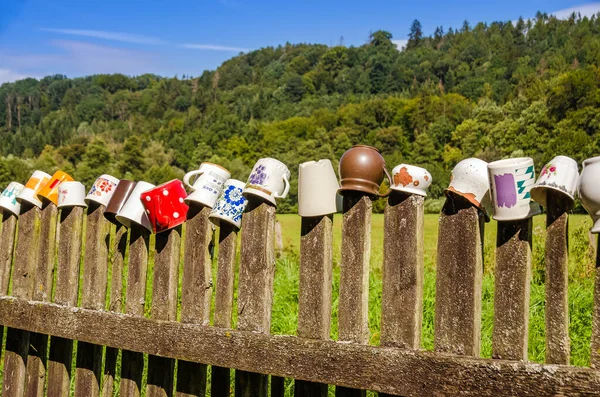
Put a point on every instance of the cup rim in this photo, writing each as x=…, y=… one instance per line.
x=412, y=190
x=514, y=161
x=591, y=160
x=367, y=146
x=209, y=163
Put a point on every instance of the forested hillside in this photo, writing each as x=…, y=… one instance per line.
x=489, y=91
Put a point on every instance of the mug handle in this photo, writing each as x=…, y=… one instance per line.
x=186, y=178
x=390, y=180
x=285, y=190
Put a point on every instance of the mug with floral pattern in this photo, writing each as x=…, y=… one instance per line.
x=230, y=204
x=102, y=190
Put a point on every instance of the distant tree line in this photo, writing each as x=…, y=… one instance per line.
x=530, y=88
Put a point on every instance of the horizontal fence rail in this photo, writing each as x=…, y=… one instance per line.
x=137, y=310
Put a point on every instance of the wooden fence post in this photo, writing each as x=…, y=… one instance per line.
x=93, y=296
x=196, y=293
x=164, y=306
x=255, y=288
x=70, y=229
x=7, y=236
x=228, y=235
x=557, y=279
x=115, y=305
x=512, y=290
x=314, y=295
x=26, y=260
x=595, y=345
x=353, y=308
x=459, y=279
x=132, y=363
x=38, y=343
x=402, y=293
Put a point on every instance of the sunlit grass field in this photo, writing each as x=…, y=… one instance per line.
x=285, y=307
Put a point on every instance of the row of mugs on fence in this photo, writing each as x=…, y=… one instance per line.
x=505, y=189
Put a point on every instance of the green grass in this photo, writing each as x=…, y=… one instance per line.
x=285, y=307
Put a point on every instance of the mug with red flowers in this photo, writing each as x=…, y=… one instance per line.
x=102, y=190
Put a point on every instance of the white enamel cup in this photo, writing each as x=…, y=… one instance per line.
x=208, y=185
x=317, y=188
x=71, y=194
x=102, y=189
x=133, y=211
x=511, y=181
x=8, y=199
x=269, y=180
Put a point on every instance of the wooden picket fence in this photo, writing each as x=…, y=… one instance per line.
x=49, y=301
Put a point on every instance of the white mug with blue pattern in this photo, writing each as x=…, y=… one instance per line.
x=206, y=183
x=230, y=205
x=8, y=199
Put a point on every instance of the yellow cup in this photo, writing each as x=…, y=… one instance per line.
x=50, y=189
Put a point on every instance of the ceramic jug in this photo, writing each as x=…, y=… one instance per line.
x=362, y=169
x=589, y=190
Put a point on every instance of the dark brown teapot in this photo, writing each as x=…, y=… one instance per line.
x=362, y=169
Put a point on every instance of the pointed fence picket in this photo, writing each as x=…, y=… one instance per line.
x=132, y=324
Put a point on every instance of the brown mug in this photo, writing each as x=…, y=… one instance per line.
x=118, y=199
x=362, y=169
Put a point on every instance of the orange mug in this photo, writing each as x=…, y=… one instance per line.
x=50, y=189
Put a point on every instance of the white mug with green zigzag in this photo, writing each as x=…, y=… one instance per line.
x=510, y=182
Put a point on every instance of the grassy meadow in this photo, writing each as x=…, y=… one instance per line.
x=581, y=271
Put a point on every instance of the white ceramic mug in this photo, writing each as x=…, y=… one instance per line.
x=71, y=194
x=317, y=188
x=511, y=181
x=102, y=190
x=561, y=175
x=208, y=185
x=33, y=186
x=133, y=211
x=469, y=179
x=269, y=179
x=230, y=205
x=8, y=199
x=589, y=190
x=411, y=179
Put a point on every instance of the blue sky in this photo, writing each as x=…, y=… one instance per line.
x=82, y=37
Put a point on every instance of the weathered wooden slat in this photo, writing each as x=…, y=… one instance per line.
x=255, y=286
x=93, y=296
x=277, y=386
x=314, y=293
x=115, y=304
x=459, y=278
x=38, y=343
x=7, y=236
x=384, y=369
x=26, y=259
x=557, y=279
x=595, y=348
x=196, y=293
x=402, y=292
x=228, y=235
x=164, y=306
x=512, y=290
x=69, y=233
x=132, y=363
x=353, y=307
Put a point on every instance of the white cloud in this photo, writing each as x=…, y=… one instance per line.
x=213, y=47
x=88, y=58
x=8, y=76
x=401, y=44
x=586, y=10
x=114, y=36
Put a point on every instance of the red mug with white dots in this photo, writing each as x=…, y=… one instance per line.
x=165, y=206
